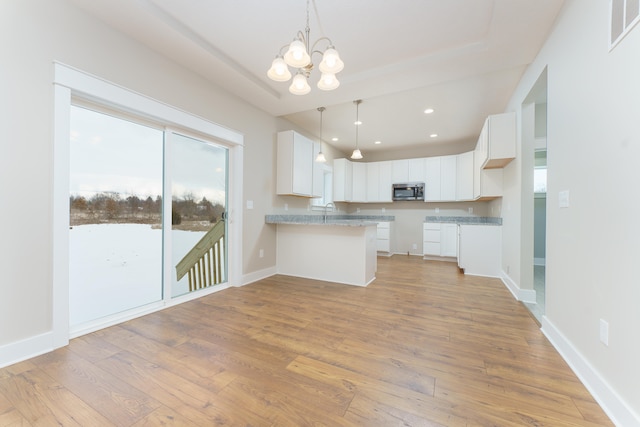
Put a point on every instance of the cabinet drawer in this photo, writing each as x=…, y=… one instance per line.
x=431, y=226
x=431, y=236
x=431, y=248
x=386, y=225
x=383, y=245
x=383, y=233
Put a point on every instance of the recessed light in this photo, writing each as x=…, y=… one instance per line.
x=429, y=111
x=358, y=123
x=378, y=142
x=433, y=135
x=334, y=139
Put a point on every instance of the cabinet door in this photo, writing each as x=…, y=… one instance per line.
x=464, y=176
x=294, y=173
x=449, y=240
x=385, y=192
x=400, y=171
x=448, y=166
x=432, y=180
x=373, y=182
x=359, y=182
x=342, y=187
x=317, y=189
x=302, y=168
x=416, y=170
x=501, y=140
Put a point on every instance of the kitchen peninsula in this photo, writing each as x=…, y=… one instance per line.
x=335, y=248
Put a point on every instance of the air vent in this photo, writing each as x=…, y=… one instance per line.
x=625, y=14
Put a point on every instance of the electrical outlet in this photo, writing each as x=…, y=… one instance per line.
x=286, y=206
x=249, y=204
x=470, y=211
x=261, y=255
x=437, y=210
x=414, y=246
x=357, y=210
x=604, y=332
x=383, y=210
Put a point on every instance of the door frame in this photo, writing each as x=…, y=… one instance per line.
x=72, y=83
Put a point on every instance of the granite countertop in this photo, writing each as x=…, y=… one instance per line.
x=337, y=219
x=465, y=220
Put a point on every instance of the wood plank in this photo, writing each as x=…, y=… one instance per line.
x=422, y=345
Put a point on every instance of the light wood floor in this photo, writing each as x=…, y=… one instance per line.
x=421, y=346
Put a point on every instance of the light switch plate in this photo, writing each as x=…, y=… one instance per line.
x=249, y=204
x=563, y=199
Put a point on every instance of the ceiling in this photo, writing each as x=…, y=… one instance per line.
x=463, y=58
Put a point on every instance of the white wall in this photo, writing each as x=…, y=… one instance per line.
x=593, y=136
x=33, y=34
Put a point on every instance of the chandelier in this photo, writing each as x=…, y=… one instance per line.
x=298, y=56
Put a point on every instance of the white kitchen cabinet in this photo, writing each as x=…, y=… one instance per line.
x=487, y=183
x=294, y=164
x=373, y=182
x=480, y=249
x=317, y=187
x=449, y=240
x=359, y=182
x=342, y=180
x=440, y=239
x=432, y=191
x=384, y=238
x=385, y=193
x=416, y=170
x=448, y=177
x=400, y=171
x=464, y=176
x=499, y=138
x=379, y=182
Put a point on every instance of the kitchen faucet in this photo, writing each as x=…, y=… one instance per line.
x=325, y=210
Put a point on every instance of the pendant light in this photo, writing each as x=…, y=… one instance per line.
x=356, y=155
x=320, y=157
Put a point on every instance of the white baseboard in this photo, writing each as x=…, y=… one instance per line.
x=524, y=295
x=619, y=412
x=540, y=261
x=25, y=349
x=258, y=275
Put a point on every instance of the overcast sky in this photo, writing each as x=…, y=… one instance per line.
x=113, y=155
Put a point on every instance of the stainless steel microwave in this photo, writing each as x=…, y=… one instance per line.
x=409, y=191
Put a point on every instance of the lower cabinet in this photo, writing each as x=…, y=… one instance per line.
x=440, y=239
x=480, y=250
x=384, y=238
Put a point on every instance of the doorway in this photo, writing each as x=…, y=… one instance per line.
x=535, y=176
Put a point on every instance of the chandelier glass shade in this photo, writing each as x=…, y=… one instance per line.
x=320, y=158
x=298, y=55
x=357, y=154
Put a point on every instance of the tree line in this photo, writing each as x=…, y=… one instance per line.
x=112, y=207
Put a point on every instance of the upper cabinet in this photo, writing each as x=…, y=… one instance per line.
x=497, y=143
x=294, y=164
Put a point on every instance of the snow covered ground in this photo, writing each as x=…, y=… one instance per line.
x=117, y=267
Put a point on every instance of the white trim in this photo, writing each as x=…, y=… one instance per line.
x=26, y=349
x=540, y=261
x=258, y=275
x=524, y=295
x=617, y=409
x=94, y=88
x=68, y=83
x=60, y=217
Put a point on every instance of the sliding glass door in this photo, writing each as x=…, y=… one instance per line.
x=198, y=205
x=120, y=170
x=115, y=233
